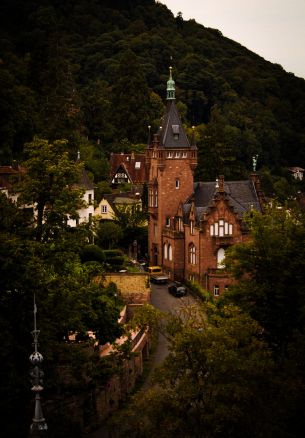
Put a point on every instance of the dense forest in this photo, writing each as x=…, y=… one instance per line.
x=94, y=72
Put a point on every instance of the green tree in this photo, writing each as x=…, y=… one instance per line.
x=108, y=234
x=212, y=383
x=130, y=100
x=270, y=272
x=48, y=185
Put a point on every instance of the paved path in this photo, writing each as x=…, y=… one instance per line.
x=162, y=300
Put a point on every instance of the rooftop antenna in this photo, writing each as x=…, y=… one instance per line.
x=39, y=426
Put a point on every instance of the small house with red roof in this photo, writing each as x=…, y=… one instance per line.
x=127, y=169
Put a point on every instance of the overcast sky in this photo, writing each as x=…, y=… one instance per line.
x=274, y=29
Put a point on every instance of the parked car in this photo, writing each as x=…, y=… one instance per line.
x=156, y=275
x=177, y=289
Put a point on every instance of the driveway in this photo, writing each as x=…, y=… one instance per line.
x=163, y=300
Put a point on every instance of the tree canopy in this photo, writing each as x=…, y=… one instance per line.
x=96, y=72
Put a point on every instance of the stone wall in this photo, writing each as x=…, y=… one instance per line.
x=134, y=287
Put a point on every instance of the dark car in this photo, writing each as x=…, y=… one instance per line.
x=177, y=289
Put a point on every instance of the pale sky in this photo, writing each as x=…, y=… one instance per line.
x=274, y=29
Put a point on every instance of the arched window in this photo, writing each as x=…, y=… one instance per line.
x=165, y=251
x=170, y=252
x=192, y=254
x=156, y=198
x=221, y=258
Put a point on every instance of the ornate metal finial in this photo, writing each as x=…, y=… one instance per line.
x=39, y=426
x=254, y=162
x=170, y=89
x=193, y=140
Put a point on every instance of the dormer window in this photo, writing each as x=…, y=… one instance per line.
x=175, y=129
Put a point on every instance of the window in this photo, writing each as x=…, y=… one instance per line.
x=151, y=198
x=168, y=221
x=177, y=183
x=192, y=278
x=90, y=218
x=192, y=227
x=170, y=252
x=90, y=199
x=192, y=254
x=165, y=253
x=137, y=165
x=104, y=209
x=175, y=129
x=177, y=154
x=221, y=228
x=220, y=258
x=169, y=155
x=216, y=291
x=180, y=224
x=156, y=198
x=226, y=288
x=155, y=230
x=184, y=154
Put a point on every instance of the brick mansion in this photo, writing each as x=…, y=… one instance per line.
x=191, y=224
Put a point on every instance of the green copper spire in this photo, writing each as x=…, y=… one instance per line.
x=170, y=89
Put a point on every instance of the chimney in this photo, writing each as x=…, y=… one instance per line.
x=257, y=185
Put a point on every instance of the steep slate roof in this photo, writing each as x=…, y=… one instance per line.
x=241, y=195
x=171, y=124
x=137, y=173
x=85, y=181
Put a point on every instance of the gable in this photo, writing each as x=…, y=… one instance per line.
x=132, y=165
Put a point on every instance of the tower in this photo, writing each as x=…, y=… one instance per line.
x=171, y=161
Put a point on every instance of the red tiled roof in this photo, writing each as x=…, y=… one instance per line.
x=134, y=164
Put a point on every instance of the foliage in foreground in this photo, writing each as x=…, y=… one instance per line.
x=236, y=368
x=41, y=257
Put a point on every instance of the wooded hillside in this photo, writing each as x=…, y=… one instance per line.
x=94, y=72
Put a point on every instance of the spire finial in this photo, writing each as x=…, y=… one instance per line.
x=193, y=140
x=149, y=136
x=254, y=162
x=39, y=426
x=170, y=86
